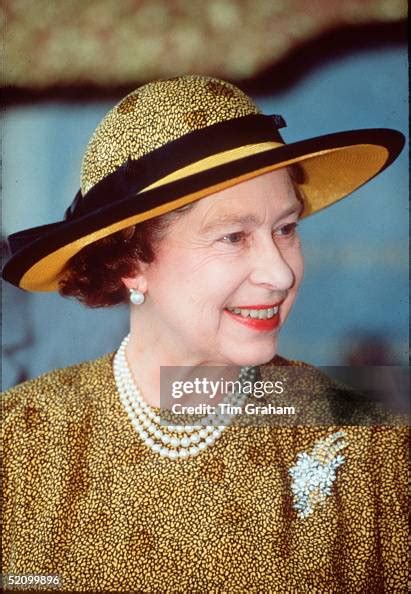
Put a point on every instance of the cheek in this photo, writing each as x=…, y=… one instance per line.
x=199, y=284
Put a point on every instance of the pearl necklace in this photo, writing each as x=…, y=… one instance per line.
x=172, y=441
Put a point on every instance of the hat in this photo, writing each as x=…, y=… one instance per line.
x=174, y=141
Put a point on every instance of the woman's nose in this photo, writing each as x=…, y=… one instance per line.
x=270, y=268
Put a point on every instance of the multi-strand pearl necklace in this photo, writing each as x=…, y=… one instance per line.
x=171, y=441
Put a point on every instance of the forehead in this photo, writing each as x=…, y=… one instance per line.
x=271, y=193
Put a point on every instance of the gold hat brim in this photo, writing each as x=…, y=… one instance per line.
x=330, y=174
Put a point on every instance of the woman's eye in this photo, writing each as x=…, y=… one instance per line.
x=236, y=237
x=286, y=230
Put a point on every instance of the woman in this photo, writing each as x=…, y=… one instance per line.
x=188, y=207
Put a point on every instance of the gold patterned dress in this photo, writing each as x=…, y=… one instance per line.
x=86, y=499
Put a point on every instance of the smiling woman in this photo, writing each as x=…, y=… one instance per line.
x=189, y=207
x=228, y=251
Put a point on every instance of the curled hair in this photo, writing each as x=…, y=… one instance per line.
x=93, y=275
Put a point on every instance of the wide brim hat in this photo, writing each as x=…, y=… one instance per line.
x=175, y=141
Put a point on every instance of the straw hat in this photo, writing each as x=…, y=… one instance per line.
x=174, y=141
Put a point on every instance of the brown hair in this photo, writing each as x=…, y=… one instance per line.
x=93, y=276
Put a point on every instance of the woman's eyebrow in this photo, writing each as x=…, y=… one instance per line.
x=227, y=219
x=233, y=219
x=296, y=208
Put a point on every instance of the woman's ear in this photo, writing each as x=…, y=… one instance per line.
x=139, y=282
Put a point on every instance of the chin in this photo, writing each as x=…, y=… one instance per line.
x=255, y=355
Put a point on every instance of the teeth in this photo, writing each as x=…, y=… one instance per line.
x=260, y=314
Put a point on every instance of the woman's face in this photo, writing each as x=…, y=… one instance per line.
x=225, y=276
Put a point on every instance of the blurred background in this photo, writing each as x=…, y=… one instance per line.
x=325, y=65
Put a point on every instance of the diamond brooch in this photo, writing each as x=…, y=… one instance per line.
x=314, y=473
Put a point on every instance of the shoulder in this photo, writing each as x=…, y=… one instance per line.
x=62, y=393
x=376, y=438
x=325, y=400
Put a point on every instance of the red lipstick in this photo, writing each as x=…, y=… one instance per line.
x=264, y=325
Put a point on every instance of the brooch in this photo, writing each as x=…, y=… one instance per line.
x=314, y=473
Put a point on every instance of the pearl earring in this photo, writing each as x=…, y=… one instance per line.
x=136, y=297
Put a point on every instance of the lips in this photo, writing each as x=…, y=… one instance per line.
x=259, y=317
